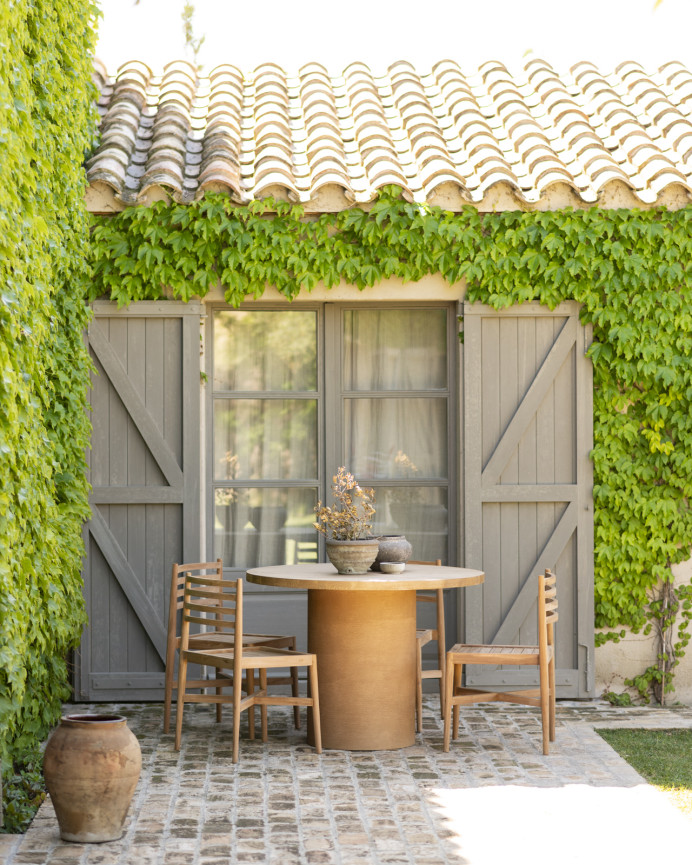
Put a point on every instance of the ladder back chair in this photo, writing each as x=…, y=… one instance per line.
x=200, y=597
x=425, y=636
x=212, y=637
x=541, y=656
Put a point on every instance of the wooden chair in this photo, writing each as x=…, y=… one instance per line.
x=541, y=656
x=212, y=638
x=200, y=597
x=425, y=636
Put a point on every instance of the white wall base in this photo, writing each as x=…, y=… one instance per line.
x=616, y=662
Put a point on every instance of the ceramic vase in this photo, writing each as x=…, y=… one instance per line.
x=91, y=766
x=392, y=548
x=352, y=557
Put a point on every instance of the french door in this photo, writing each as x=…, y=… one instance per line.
x=298, y=391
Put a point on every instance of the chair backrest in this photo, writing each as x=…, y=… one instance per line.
x=213, y=602
x=547, y=609
x=434, y=596
x=177, y=591
x=431, y=596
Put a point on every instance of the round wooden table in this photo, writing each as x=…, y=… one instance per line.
x=363, y=631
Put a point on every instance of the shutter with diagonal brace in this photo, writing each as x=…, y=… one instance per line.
x=528, y=484
x=144, y=471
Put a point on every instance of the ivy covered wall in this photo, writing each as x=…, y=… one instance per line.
x=46, y=125
x=631, y=271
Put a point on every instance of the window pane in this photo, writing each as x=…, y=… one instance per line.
x=264, y=526
x=395, y=349
x=260, y=350
x=265, y=438
x=396, y=438
x=420, y=513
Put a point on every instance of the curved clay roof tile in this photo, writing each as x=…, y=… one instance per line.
x=416, y=128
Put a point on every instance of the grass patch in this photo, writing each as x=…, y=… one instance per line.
x=663, y=757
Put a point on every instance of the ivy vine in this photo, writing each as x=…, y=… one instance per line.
x=47, y=122
x=630, y=270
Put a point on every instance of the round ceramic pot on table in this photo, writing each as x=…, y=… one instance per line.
x=352, y=557
x=392, y=548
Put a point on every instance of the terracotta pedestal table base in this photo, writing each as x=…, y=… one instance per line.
x=366, y=664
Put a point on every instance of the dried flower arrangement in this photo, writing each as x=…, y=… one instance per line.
x=350, y=519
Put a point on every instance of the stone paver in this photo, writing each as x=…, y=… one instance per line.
x=284, y=804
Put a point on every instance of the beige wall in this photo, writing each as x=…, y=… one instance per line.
x=430, y=287
x=616, y=662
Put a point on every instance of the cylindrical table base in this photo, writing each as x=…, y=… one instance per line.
x=366, y=663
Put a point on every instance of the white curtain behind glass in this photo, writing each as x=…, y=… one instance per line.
x=395, y=349
x=397, y=438
x=268, y=438
x=403, y=436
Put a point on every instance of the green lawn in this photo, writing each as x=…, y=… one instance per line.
x=663, y=757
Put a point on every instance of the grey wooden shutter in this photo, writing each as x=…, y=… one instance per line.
x=144, y=471
x=528, y=410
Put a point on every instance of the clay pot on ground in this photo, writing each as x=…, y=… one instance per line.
x=352, y=557
x=91, y=766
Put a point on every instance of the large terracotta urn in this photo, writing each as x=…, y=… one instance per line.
x=92, y=765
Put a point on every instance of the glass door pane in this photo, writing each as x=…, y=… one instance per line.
x=265, y=428
x=265, y=350
x=383, y=436
x=265, y=438
x=264, y=526
x=398, y=432
x=395, y=349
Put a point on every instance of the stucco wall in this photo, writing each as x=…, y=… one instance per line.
x=616, y=662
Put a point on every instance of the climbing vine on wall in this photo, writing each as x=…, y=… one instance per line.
x=631, y=271
x=47, y=123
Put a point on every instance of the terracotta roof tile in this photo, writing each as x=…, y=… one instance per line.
x=434, y=133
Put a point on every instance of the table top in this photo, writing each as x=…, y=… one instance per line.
x=324, y=576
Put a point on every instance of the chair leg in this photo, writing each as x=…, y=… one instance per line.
x=237, y=695
x=545, y=706
x=441, y=662
x=168, y=696
x=263, y=706
x=457, y=684
x=294, y=687
x=449, y=691
x=182, y=672
x=315, y=708
x=219, y=707
x=250, y=685
x=551, y=684
x=294, y=691
x=419, y=688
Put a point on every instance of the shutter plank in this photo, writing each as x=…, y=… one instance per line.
x=531, y=402
x=135, y=407
x=128, y=581
x=526, y=598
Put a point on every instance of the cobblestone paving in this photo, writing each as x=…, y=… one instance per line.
x=284, y=804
